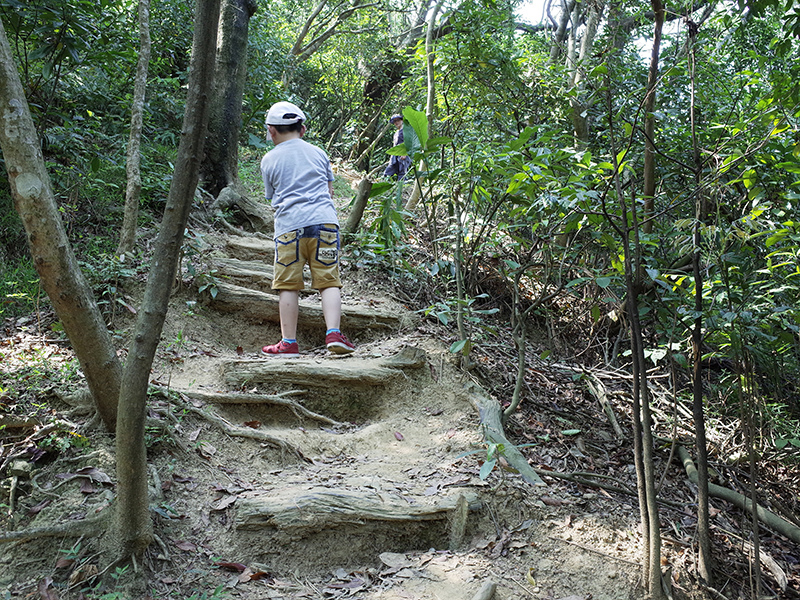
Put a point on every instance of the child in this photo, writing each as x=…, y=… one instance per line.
x=298, y=180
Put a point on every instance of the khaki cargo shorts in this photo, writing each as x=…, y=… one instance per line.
x=317, y=245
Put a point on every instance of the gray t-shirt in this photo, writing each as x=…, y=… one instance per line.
x=296, y=176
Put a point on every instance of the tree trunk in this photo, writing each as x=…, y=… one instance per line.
x=704, y=560
x=649, y=190
x=133, y=191
x=579, y=104
x=221, y=163
x=134, y=529
x=557, y=45
x=430, y=106
x=628, y=229
x=52, y=254
x=359, y=204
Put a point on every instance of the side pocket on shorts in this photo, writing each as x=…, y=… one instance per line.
x=287, y=248
x=328, y=245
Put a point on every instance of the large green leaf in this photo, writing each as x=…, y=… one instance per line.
x=419, y=123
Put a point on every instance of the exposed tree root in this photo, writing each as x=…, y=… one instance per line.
x=281, y=399
x=245, y=432
x=490, y=414
x=486, y=592
x=768, y=518
x=590, y=480
x=90, y=526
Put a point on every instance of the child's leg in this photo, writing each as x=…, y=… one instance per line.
x=289, y=309
x=331, y=306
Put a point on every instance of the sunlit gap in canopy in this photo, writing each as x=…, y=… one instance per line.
x=534, y=12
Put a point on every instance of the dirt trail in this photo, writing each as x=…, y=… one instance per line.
x=370, y=510
x=328, y=477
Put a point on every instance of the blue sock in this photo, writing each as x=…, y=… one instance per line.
x=288, y=341
x=332, y=331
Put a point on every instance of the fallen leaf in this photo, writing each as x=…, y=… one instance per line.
x=35, y=510
x=94, y=474
x=186, y=546
x=399, y=436
x=63, y=563
x=44, y=589
x=253, y=424
x=355, y=584
x=393, y=559
x=193, y=436
x=231, y=566
x=84, y=572
x=239, y=350
x=223, y=503
x=87, y=487
x=550, y=501
x=205, y=449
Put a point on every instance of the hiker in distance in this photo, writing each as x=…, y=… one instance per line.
x=298, y=181
x=398, y=165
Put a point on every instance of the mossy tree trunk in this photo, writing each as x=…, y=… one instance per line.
x=55, y=262
x=134, y=528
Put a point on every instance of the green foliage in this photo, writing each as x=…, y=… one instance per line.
x=31, y=375
x=19, y=288
x=445, y=311
x=62, y=440
x=197, y=266
x=493, y=453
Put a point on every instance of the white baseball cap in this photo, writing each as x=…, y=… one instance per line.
x=284, y=113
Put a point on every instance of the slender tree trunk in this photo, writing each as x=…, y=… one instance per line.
x=133, y=191
x=580, y=105
x=134, y=527
x=52, y=254
x=704, y=563
x=430, y=105
x=642, y=419
x=649, y=190
x=221, y=163
x=745, y=380
x=557, y=45
x=645, y=469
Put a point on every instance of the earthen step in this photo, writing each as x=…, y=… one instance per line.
x=261, y=306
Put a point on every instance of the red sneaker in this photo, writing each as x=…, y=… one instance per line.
x=338, y=343
x=282, y=349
